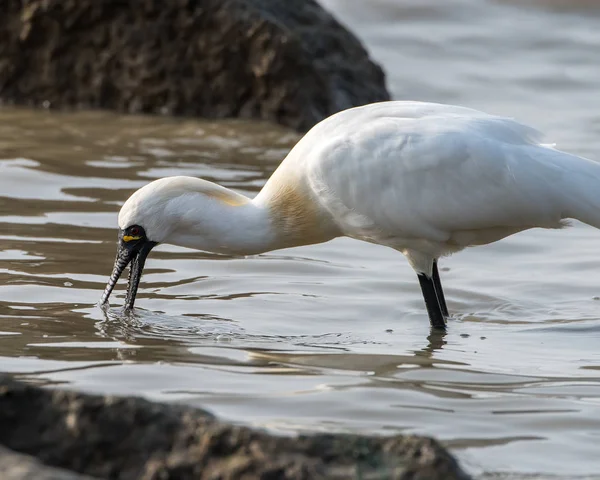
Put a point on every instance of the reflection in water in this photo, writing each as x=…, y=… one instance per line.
x=435, y=342
x=333, y=336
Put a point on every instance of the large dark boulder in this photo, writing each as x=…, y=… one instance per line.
x=130, y=438
x=287, y=61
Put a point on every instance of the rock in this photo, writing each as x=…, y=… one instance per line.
x=285, y=61
x=16, y=466
x=131, y=438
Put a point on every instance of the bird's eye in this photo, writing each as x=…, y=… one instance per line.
x=135, y=231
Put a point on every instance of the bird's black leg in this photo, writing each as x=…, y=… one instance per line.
x=436, y=317
x=438, y=289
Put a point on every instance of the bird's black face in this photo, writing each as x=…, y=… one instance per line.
x=133, y=248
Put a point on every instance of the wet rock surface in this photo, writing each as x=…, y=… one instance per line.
x=285, y=61
x=131, y=438
x=17, y=466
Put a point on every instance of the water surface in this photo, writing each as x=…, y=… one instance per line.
x=332, y=337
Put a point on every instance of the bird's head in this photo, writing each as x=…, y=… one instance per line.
x=143, y=224
x=168, y=210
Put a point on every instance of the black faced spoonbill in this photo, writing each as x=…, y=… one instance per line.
x=424, y=179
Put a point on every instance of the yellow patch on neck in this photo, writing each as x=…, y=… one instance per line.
x=226, y=196
x=209, y=189
x=234, y=200
x=298, y=219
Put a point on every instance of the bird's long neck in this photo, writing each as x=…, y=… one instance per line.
x=230, y=223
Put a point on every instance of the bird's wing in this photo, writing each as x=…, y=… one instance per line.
x=431, y=176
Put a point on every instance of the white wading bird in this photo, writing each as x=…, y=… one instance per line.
x=425, y=179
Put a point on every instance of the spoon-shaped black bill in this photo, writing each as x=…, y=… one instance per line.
x=132, y=254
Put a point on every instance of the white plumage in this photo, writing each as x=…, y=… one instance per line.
x=425, y=179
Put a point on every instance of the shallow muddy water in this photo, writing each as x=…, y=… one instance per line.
x=332, y=337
